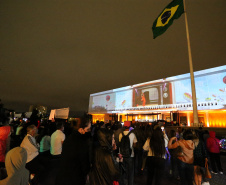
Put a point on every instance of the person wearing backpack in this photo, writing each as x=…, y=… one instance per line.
x=127, y=142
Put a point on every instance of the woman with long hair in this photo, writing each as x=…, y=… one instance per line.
x=155, y=145
x=104, y=169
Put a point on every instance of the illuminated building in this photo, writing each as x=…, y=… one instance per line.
x=167, y=99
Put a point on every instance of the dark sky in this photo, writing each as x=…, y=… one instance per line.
x=57, y=52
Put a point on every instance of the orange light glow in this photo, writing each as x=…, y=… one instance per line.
x=188, y=119
x=207, y=119
x=210, y=118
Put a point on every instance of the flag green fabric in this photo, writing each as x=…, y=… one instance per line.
x=166, y=17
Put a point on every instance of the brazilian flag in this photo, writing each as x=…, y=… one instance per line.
x=165, y=19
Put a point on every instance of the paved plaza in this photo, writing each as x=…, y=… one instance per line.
x=141, y=179
x=217, y=179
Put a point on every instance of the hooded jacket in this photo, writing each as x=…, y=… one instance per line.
x=105, y=169
x=15, y=166
x=212, y=143
x=187, y=148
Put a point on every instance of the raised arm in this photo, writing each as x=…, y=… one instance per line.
x=174, y=145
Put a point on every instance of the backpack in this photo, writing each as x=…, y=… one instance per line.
x=125, y=149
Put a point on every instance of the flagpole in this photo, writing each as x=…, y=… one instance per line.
x=195, y=112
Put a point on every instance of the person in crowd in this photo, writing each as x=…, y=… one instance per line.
x=205, y=136
x=213, y=148
x=104, y=169
x=173, y=159
x=35, y=164
x=179, y=133
x=5, y=131
x=155, y=145
x=148, y=133
x=200, y=158
x=118, y=130
x=128, y=161
x=57, y=139
x=138, y=150
x=166, y=139
x=186, y=159
x=95, y=129
x=44, y=141
x=19, y=128
x=18, y=134
x=75, y=162
x=15, y=166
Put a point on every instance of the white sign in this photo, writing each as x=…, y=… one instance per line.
x=59, y=113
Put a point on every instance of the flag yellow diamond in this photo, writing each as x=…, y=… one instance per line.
x=166, y=15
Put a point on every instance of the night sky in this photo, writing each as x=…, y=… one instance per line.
x=58, y=52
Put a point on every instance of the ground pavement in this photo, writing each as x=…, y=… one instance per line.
x=217, y=179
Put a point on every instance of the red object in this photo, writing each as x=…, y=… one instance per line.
x=38, y=124
x=224, y=79
x=212, y=143
x=115, y=183
x=4, y=133
x=127, y=123
x=108, y=97
x=143, y=100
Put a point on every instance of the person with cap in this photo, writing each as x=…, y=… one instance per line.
x=128, y=160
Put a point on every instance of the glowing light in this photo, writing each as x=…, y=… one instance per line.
x=188, y=119
x=207, y=119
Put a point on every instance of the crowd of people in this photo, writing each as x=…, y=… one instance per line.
x=104, y=153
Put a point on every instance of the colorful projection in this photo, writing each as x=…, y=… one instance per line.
x=172, y=92
x=102, y=103
x=123, y=99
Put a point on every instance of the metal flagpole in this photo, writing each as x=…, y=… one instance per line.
x=195, y=111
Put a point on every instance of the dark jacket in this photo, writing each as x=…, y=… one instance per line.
x=200, y=154
x=74, y=162
x=105, y=169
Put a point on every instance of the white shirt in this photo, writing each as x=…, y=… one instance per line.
x=30, y=145
x=166, y=139
x=132, y=138
x=56, y=142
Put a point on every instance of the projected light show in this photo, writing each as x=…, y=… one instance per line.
x=166, y=93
